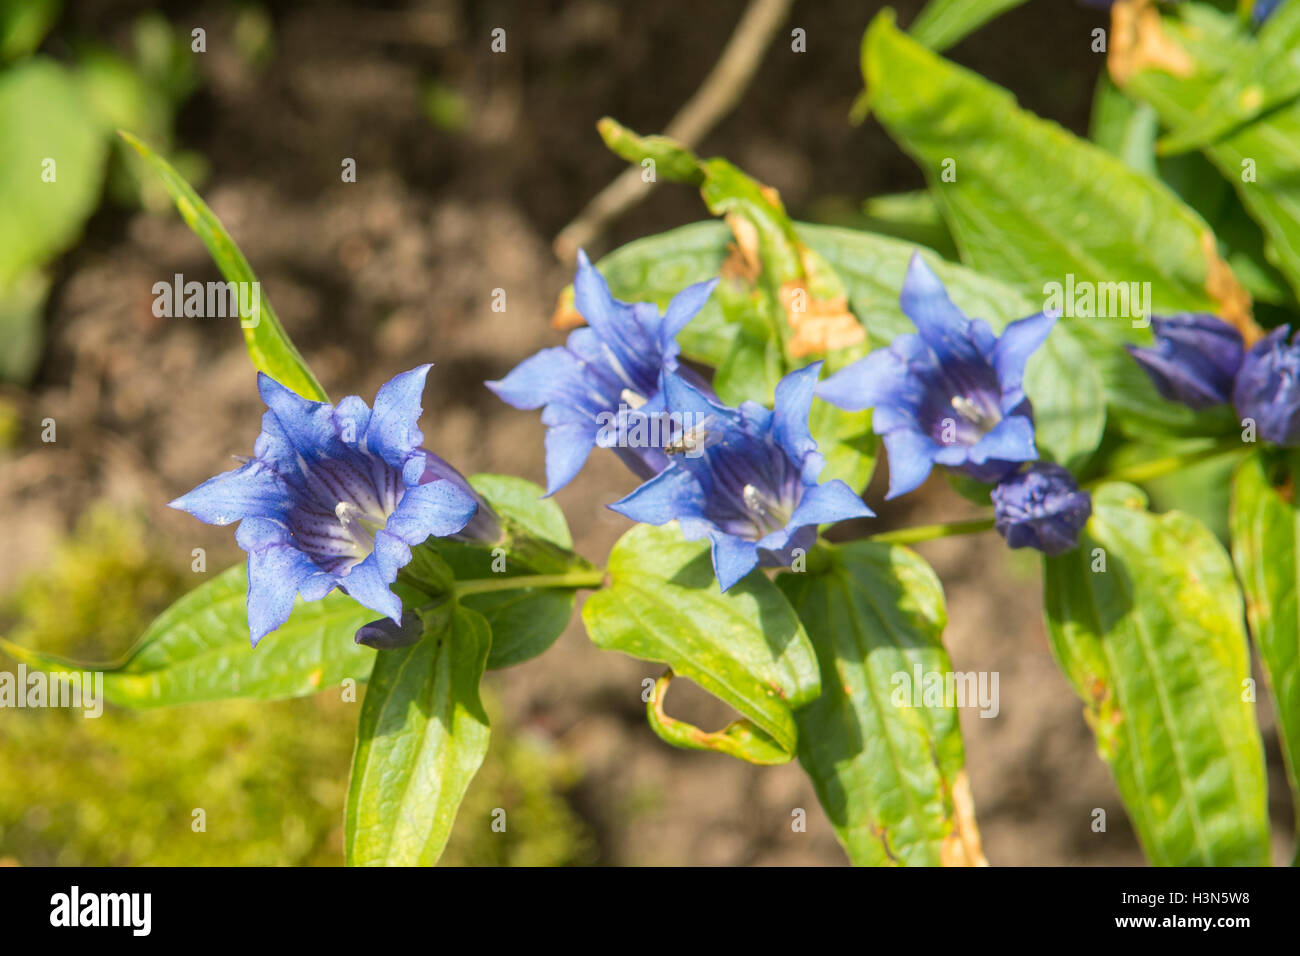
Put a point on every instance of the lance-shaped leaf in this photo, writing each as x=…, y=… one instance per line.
x=882, y=743
x=1074, y=209
x=198, y=650
x=1265, y=536
x=745, y=646
x=524, y=621
x=268, y=344
x=1260, y=158
x=943, y=22
x=423, y=736
x=1146, y=620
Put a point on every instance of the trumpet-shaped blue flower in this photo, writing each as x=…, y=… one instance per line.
x=950, y=395
x=1267, y=389
x=1041, y=507
x=335, y=496
x=607, y=368
x=747, y=480
x=1263, y=9
x=1194, y=360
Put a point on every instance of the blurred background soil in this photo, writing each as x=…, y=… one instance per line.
x=468, y=164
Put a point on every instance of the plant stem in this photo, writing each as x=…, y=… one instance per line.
x=1157, y=467
x=570, y=579
x=928, y=532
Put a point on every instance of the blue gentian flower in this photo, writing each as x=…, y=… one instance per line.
x=610, y=366
x=748, y=481
x=1041, y=507
x=1267, y=390
x=1194, y=360
x=1263, y=9
x=950, y=395
x=335, y=496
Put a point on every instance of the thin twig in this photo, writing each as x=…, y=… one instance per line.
x=716, y=97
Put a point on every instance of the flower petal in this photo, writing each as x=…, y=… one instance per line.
x=567, y=449
x=941, y=324
x=1019, y=340
x=733, y=558
x=794, y=395
x=275, y=576
x=911, y=458
x=253, y=489
x=393, y=432
x=670, y=496
x=828, y=503
x=436, y=509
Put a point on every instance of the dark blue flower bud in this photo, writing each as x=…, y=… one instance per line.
x=1268, y=388
x=384, y=635
x=1041, y=507
x=1194, y=360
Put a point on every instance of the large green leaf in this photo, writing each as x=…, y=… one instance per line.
x=524, y=621
x=423, y=736
x=745, y=646
x=1260, y=158
x=1072, y=208
x=887, y=765
x=943, y=22
x=1146, y=620
x=1265, y=535
x=268, y=344
x=198, y=650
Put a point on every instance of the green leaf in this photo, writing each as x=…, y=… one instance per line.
x=912, y=217
x=524, y=621
x=1261, y=158
x=1154, y=645
x=1073, y=208
x=746, y=646
x=672, y=161
x=1124, y=128
x=886, y=760
x=943, y=22
x=1264, y=76
x=23, y=24
x=1265, y=534
x=423, y=736
x=198, y=650
x=268, y=345
x=740, y=738
x=46, y=130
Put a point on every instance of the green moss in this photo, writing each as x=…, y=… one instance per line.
x=269, y=778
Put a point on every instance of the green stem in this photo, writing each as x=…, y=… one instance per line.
x=928, y=532
x=570, y=579
x=1157, y=467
